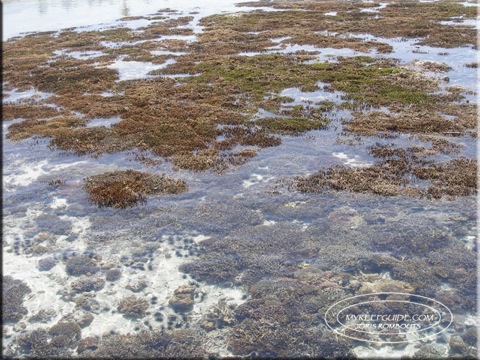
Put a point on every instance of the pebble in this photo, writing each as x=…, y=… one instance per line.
x=208, y=325
x=107, y=266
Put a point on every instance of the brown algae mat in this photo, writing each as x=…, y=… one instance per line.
x=199, y=121
x=126, y=188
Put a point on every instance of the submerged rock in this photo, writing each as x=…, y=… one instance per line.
x=80, y=317
x=182, y=299
x=89, y=343
x=457, y=345
x=46, y=264
x=13, y=292
x=133, y=306
x=86, y=284
x=137, y=286
x=81, y=265
x=42, y=316
x=113, y=275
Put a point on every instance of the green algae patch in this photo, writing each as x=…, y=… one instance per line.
x=290, y=126
x=364, y=80
x=256, y=76
x=122, y=189
x=381, y=83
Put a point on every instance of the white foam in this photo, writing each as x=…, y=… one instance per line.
x=269, y=222
x=375, y=9
x=347, y=160
x=253, y=180
x=24, y=174
x=58, y=203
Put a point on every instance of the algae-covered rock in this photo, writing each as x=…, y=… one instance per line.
x=121, y=189
x=386, y=285
x=81, y=265
x=13, y=292
x=133, y=306
x=148, y=344
x=113, y=275
x=88, y=283
x=47, y=264
x=182, y=299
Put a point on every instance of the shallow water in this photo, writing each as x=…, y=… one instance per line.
x=22, y=16
x=250, y=197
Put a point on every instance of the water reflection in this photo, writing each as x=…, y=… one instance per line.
x=42, y=6
x=125, y=9
x=22, y=16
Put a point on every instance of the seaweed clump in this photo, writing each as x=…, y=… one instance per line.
x=396, y=173
x=122, y=189
x=149, y=344
x=290, y=126
x=372, y=179
x=27, y=111
x=37, y=344
x=13, y=292
x=457, y=177
x=419, y=20
x=425, y=119
x=58, y=341
x=281, y=321
x=43, y=128
x=81, y=265
x=65, y=334
x=86, y=284
x=133, y=306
